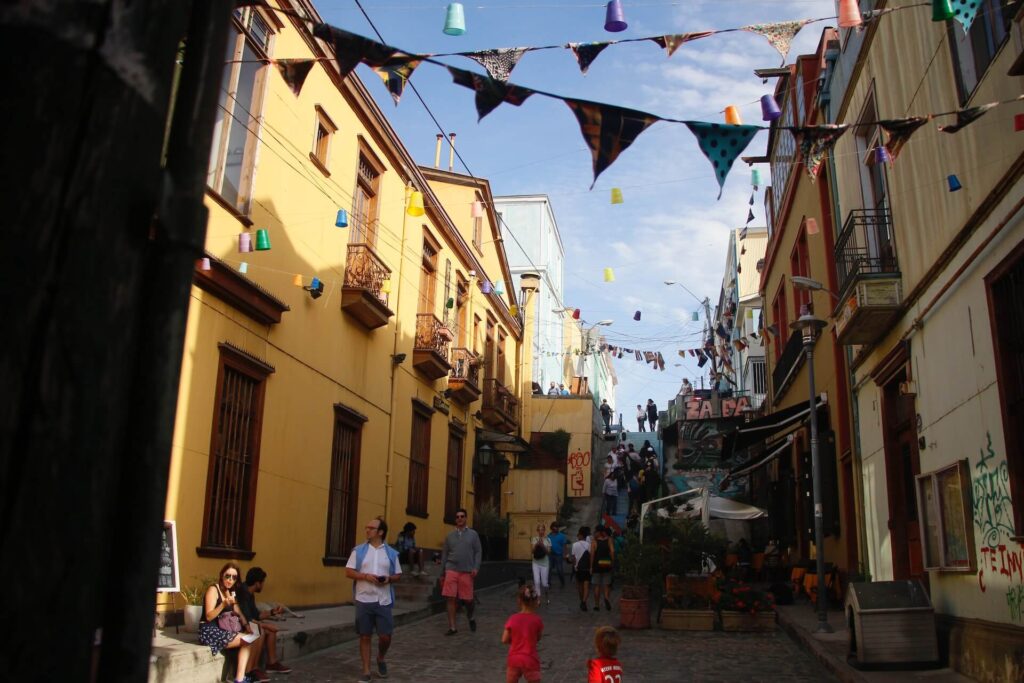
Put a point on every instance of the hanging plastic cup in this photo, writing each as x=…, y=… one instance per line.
x=342, y=220
x=732, y=116
x=614, y=18
x=455, y=20
x=262, y=240
x=769, y=108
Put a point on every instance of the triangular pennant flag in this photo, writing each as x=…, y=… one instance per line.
x=672, y=42
x=966, y=117
x=638, y=356
x=720, y=330
x=396, y=73
x=750, y=215
x=701, y=359
x=964, y=11
x=693, y=353
x=489, y=92
x=815, y=143
x=608, y=130
x=682, y=353
x=779, y=35
x=294, y=72
x=350, y=49
x=500, y=62
x=743, y=233
x=721, y=144
x=661, y=362
x=586, y=53
x=899, y=131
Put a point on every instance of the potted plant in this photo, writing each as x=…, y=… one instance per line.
x=689, y=587
x=743, y=607
x=193, y=595
x=639, y=566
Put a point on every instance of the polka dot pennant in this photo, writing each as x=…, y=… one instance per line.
x=721, y=144
x=964, y=11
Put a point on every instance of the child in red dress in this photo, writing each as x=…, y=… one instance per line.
x=605, y=668
x=522, y=632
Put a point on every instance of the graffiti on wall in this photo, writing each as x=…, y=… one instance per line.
x=579, y=473
x=992, y=505
x=993, y=517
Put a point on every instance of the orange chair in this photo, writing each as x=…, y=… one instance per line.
x=730, y=560
x=811, y=585
x=796, y=578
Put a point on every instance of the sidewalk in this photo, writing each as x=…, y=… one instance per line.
x=801, y=621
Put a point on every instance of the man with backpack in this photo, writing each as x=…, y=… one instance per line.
x=581, y=565
x=374, y=566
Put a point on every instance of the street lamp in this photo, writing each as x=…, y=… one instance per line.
x=809, y=327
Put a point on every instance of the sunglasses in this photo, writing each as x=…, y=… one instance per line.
x=457, y=516
x=233, y=577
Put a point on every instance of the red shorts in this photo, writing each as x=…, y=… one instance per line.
x=513, y=673
x=457, y=585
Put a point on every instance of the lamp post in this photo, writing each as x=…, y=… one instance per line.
x=810, y=326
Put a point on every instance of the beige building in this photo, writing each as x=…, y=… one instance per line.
x=931, y=309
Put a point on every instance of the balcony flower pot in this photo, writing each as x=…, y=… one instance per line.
x=445, y=333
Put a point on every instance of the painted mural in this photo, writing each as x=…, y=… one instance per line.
x=699, y=458
x=1001, y=560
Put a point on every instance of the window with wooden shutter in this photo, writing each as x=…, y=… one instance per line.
x=453, y=474
x=343, y=498
x=419, y=461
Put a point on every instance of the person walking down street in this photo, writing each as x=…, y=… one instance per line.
x=541, y=549
x=374, y=567
x=641, y=418
x=558, y=552
x=602, y=557
x=611, y=492
x=605, y=667
x=523, y=631
x=581, y=565
x=606, y=415
x=553, y=389
x=222, y=626
x=652, y=413
x=255, y=580
x=407, y=550
x=460, y=560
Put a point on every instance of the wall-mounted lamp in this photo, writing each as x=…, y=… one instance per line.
x=315, y=288
x=398, y=358
x=503, y=468
x=485, y=454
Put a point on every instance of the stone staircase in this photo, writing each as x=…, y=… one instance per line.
x=419, y=592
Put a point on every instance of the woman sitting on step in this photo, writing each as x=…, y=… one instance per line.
x=408, y=553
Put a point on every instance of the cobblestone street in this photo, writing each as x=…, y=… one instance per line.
x=422, y=653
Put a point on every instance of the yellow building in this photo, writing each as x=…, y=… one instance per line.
x=345, y=372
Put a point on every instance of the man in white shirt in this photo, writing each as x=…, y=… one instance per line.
x=374, y=566
x=581, y=565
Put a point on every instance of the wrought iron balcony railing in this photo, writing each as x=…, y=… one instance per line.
x=866, y=246
x=365, y=270
x=499, y=399
x=432, y=335
x=464, y=366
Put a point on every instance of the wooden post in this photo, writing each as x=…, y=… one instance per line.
x=97, y=262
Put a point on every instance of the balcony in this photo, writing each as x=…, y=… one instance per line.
x=788, y=365
x=501, y=407
x=362, y=294
x=430, y=352
x=869, y=277
x=464, y=379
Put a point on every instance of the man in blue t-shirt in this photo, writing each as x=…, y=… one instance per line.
x=558, y=541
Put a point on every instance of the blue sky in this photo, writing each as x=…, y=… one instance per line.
x=670, y=227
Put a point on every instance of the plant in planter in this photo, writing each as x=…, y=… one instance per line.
x=193, y=595
x=743, y=607
x=640, y=567
x=689, y=588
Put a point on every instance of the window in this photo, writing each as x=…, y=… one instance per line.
x=800, y=265
x=782, y=155
x=428, y=273
x=419, y=460
x=974, y=51
x=236, y=128
x=758, y=385
x=365, y=199
x=500, y=357
x=478, y=229
x=943, y=501
x=461, y=297
x=489, y=364
x=780, y=319
x=323, y=131
x=453, y=476
x=234, y=455
x=1005, y=287
x=343, y=497
x=874, y=193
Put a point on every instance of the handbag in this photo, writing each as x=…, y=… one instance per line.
x=229, y=621
x=539, y=551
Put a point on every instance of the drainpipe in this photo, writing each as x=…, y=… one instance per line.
x=397, y=289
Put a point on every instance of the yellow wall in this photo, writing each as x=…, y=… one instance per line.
x=321, y=355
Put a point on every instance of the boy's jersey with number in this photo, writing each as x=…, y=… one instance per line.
x=604, y=670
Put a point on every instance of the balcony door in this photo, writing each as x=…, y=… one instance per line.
x=874, y=189
x=428, y=274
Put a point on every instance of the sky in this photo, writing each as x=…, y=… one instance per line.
x=670, y=225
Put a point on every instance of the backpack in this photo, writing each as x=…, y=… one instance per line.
x=584, y=561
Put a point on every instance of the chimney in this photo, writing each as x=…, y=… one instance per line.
x=451, y=153
x=437, y=151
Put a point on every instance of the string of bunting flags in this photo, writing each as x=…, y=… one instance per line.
x=608, y=130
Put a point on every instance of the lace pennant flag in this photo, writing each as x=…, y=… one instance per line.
x=351, y=49
x=899, y=131
x=964, y=11
x=489, y=92
x=294, y=72
x=815, y=143
x=966, y=117
x=396, y=73
x=721, y=144
x=586, y=53
x=671, y=43
x=750, y=215
x=608, y=130
x=499, y=63
x=779, y=35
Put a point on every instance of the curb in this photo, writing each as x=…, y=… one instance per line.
x=839, y=668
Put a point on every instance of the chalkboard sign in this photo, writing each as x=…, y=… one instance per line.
x=167, y=580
